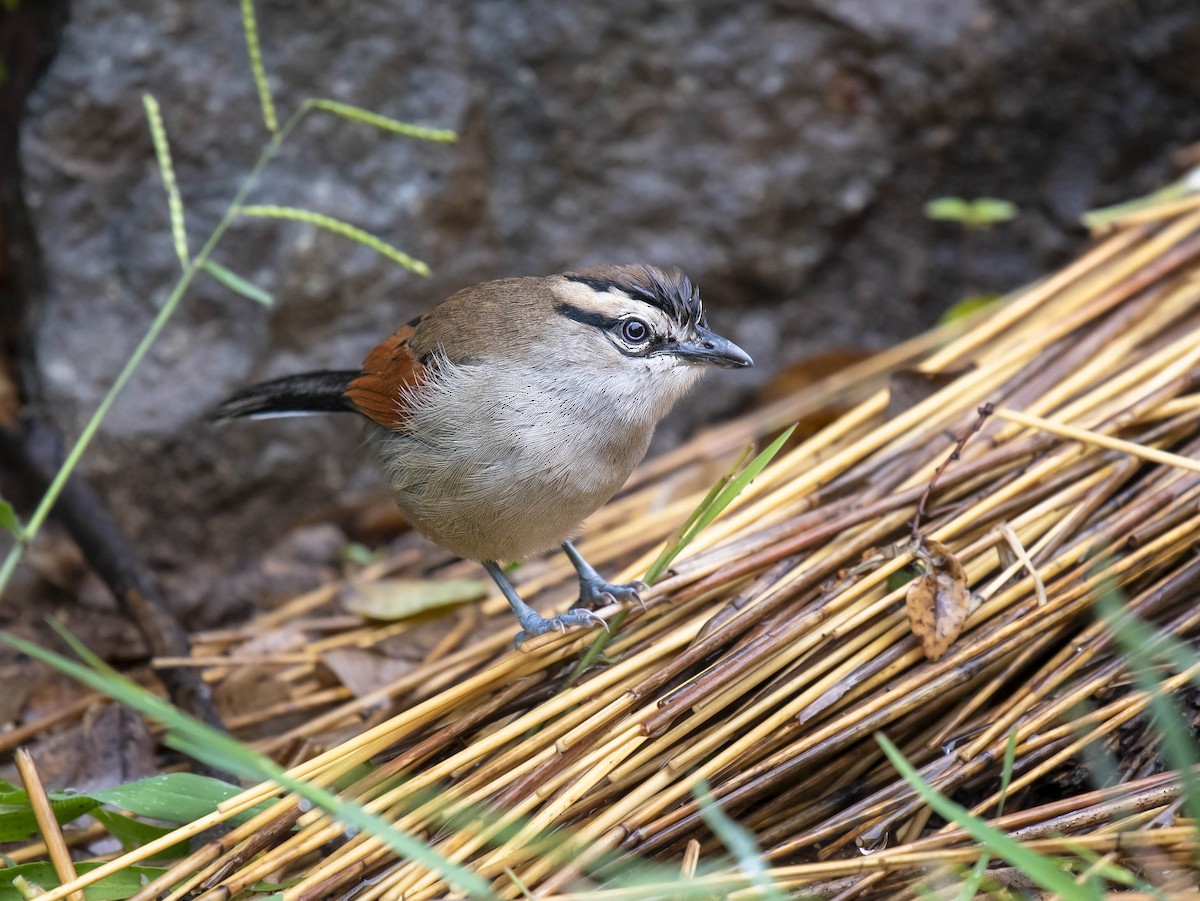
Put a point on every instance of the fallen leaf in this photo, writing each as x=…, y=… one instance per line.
x=938, y=602
x=363, y=671
x=276, y=641
x=109, y=746
x=390, y=599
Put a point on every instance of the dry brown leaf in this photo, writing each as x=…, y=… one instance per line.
x=276, y=641
x=111, y=745
x=938, y=601
x=364, y=672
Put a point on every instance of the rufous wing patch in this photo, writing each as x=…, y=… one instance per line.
x=389, y=372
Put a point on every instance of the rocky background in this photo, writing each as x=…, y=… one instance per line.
x=780, y=152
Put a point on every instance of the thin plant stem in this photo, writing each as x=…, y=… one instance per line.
x=195, y=265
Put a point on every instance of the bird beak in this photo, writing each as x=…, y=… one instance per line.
x=710, y=349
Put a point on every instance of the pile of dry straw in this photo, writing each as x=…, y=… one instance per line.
x=778, y=644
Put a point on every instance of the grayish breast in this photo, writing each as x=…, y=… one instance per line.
x=501, y=461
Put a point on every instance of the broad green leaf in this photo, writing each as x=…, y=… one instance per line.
x=17, y=822
x=171, y=797
x=133, y=833
x=236, y=283
x=112, y=888
x=9, y=521
x=392, y=599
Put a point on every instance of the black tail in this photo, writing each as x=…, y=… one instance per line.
x=293, y=395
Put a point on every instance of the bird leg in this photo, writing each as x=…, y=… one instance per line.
x=594, y=590
x=532, y=622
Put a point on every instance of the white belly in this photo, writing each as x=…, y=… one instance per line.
x=505, y=477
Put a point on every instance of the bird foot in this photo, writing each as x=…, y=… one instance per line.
x=533, y=624
x=599, y=593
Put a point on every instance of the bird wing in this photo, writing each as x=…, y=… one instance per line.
x=383, y=391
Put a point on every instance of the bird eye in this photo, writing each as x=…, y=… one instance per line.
x=635, y=331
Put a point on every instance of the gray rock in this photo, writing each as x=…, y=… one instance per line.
x=780, y=152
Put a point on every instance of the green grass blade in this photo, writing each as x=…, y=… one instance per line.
x=1152, y=642
x=220, y=750
x=1136, y=645
x=720, y=496
x=1102, y=869
x=84, y=653
x=521, y=887
x=1010, y=756
x=1043, y=870
x=40, y=513
x=338, y=227
x=971, y=886
x=162, y=151
x=713, y=505
x=739, y=841
x=385, y=123
x=237, y=284
x=254, y=48
x=730, y=492
x=674, y=543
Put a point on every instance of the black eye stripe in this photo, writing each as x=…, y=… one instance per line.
x=611, y=324
x=587, y=317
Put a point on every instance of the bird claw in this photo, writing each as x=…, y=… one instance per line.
x=539, y=625
x=639, y=587
x=599, y=593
